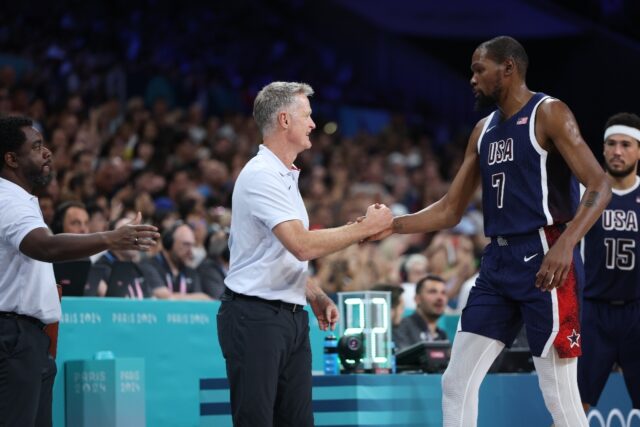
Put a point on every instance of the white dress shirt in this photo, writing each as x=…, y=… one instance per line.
x=266, y=194
x=27, y=286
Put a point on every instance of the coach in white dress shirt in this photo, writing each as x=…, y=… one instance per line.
x=28, y=296
x=262, y=329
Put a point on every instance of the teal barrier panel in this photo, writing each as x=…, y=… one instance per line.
x=105, y=393
x=449, y=322
x=414, y=400
x=179, y=345
x=177, y=340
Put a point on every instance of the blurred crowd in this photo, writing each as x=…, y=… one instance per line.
x=154, y=130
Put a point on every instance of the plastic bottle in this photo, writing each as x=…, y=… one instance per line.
x=331, y=361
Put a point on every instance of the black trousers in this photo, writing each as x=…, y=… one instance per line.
x=268, y=359
x=26, y=374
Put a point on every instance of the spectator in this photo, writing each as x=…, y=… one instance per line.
x=414, y=268
x=47, y=207
x=213, y=269
x=71, y=217
x=431, y=301
x=170, y=274
x=98, y=221
x=116, y=273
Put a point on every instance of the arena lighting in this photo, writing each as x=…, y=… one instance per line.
x=330, y=128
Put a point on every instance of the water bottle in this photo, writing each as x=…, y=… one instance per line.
x=392, y=357
x=331, y=361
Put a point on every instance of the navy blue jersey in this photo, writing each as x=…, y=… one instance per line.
x=611, y=249
x=524, y=187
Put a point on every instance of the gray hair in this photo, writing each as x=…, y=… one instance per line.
x=272, y=98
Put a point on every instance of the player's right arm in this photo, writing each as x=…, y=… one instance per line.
x=447, y=211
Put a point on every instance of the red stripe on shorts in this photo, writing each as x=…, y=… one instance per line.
x=568, y=341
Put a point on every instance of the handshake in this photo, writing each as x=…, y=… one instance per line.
x=377, y=222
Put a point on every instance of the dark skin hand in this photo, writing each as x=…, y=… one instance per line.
x=40, y=244
x=558, y=131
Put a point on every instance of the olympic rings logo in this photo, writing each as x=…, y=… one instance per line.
x=614, y=419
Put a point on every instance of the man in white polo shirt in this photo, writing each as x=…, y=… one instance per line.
x=28, y=296
x=262, y=329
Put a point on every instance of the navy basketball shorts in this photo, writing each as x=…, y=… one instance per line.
x=505, y=296
x=611, y=335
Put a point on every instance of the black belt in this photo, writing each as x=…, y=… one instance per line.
x=287, y=306
x=11, y=315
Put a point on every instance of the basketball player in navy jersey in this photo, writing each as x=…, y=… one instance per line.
x=611, y=251
x=525, y=154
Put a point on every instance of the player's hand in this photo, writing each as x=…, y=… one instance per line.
x=133, y=236
x=555, y=266
x=378, y=218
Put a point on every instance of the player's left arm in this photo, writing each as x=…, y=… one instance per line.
x=557, y=127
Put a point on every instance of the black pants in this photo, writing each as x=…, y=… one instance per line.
x=26, y=374
x=268, y=358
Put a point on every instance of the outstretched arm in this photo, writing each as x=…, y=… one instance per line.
x=306, y=245
x=40, y=244
x=557, y=129
x=446, y=212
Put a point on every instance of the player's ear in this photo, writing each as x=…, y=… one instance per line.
x=509, y=66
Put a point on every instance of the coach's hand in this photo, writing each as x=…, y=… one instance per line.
x=133, y=236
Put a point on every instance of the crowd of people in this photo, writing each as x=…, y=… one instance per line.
x=117, y=161
x=115, y=158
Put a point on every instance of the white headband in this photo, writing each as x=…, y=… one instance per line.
x=624, y=130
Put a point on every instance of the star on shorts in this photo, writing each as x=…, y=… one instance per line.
x=574, y=339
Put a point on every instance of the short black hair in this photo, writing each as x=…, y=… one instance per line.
x=422, y=281
x=396, y=292
x=11, y=135
x=626, y=119
x=502, y=48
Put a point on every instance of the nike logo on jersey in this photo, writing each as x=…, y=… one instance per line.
x=530, y=257
x=488, y=130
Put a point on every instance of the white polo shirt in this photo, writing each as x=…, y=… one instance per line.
x=27, y=286
x=266, y=194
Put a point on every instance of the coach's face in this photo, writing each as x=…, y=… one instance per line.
x=34, y=159
x=299, y=123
